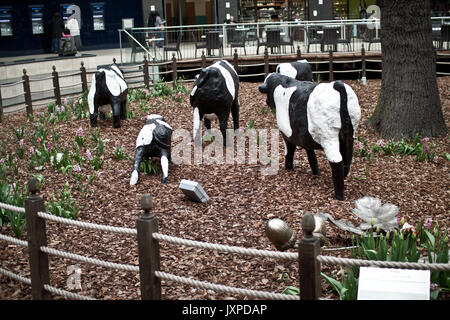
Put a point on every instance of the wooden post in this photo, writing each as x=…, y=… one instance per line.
x=331, y=64
x=363, y=63
x=148, y=249
x=36, y=238
x=299, y=53
x=203, y=59
x=84, y=85
x=266, y=61
x=309, y=267
x=56, y=88
x=27, y=92
x=174, y=70
x=235, y=60
x=146, y=74
x=1, y=106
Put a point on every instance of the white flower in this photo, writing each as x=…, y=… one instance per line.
x=374, y=214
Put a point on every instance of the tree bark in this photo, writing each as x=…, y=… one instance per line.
x=409, y=102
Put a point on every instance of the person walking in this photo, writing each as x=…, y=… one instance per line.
x=74, y=28
x=155, y=21
x=57, y=30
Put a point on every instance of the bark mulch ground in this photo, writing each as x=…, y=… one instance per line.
x=242, y=202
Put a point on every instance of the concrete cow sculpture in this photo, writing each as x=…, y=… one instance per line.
x=299, y=70
x=153, y=140
x=108, y=88
x=214, y=95
x=315, y=116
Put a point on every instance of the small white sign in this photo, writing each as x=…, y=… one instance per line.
x=393, y=284
x=315, y=13
x=227, y=4
x=320, y=1
x=228, y=16
x=152, y=8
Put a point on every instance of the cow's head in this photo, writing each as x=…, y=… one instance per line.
x=272, y=81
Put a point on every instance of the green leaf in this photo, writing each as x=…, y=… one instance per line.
x=337, y=286
x=291, y=290
x=430, y=237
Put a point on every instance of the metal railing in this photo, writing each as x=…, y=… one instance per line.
x=351, y=36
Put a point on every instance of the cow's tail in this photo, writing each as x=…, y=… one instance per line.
x=346, y=132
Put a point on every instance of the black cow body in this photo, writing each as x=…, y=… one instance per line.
x=154, y=140
x=215, y=95
x=299, y=70
x=315, y=116
x=108, y=88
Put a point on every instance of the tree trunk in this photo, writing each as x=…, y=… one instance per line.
x=409, y=102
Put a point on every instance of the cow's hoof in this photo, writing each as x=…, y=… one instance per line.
x=164, y=180
x=134, y=178
x=339, y=197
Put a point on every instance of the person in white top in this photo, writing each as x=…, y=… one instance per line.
x=74, y=27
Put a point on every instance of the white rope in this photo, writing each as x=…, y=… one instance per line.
x=385, y=264
x=87, y=225
x=226, y=289
x=13, y=240
x=10, y=207
x=66, y=294
x=94, y=261
x=225, y=248
x=14, y=276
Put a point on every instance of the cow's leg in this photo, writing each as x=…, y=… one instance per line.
x=337, y=170
x=207, y=123
x=197, y=128
x=223, y=122
x=235, y=114
x=138, y=156
x=313, y=162
x=116, y=107
x=346, y=149
x=289, y=159
x=123, y=110
x=93, y=116
x=165, y=156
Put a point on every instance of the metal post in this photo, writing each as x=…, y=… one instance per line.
x=148, y=249
x=308, y=250
x=266, y=61
x=84, y=85
x=363, y=65
x=36, y=238
x=331, y=64
x=146, y=74
x=174, y=70
x=56, y=88
x=27, y=92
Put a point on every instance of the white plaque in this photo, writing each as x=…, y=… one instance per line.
x=152, y=8
x=227, y=4
x=320, y=1
x=393, y=284
x=315, y=13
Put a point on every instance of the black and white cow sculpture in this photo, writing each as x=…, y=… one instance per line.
x=214, y=95
x=315, y=116
x=108, y=88
x=153, y=140
x=299, y=70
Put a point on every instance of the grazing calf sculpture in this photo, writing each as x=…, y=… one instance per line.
x=315, y=116
x=299, y=70
x=108, y=87
x=214, y=95
x=154, y=140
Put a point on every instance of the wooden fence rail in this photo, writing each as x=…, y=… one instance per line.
x=171, y=65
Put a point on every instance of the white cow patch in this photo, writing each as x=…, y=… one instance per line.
x=145, y=136
x=164, y=124
x=194, y=90
x=281, y=97
x=116, y=85
x=228, y=79
x=91, y=95
x=287, y=69
x=165, y=166
x=134, y=178
x=324, y=120
x=303, y=61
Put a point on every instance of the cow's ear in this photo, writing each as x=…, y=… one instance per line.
x=203, y=76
